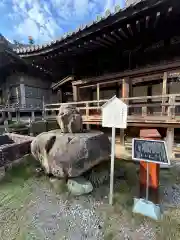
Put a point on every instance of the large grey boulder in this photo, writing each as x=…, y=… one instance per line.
x=69, y=119
x=70, y=155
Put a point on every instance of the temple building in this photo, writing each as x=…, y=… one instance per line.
x=132, y=53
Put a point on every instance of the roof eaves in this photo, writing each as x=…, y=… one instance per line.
x=47, y=47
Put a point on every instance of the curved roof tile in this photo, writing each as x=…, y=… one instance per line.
x=136, y=6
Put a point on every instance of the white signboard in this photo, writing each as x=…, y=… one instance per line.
x=114, y=113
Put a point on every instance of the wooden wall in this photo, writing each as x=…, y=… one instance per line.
x=31, y=90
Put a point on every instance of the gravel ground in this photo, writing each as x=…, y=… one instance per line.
x=78, y=218
x=31, y=209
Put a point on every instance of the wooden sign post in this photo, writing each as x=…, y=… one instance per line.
x=151, y=153
x=114, y=115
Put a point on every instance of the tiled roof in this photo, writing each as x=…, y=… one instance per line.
x=82, y=31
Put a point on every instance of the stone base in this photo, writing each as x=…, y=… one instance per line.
x=70, y=155
x=147, y=208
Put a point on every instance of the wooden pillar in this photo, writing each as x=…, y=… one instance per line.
x=18, y=116
x=164, y=92
x=22, y=95
x=9, y=116
x=60, y=97
x=125, y=94
x=125, y=89
x=75, y=94
x=98, y=93
x=32, y=116
x=170, y=141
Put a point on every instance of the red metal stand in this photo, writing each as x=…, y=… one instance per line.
x=154, y=169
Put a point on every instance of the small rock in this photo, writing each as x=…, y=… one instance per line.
x=79, y=186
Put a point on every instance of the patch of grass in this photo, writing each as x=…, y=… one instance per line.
x=15, y=199
x=109, y=236
x=166, y=229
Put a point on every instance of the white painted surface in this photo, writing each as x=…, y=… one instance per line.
x=112, y=166
x=114, y=113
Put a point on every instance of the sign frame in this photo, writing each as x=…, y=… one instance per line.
x=120, y=121
x=147, y=160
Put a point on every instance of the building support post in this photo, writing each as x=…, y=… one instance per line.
x=22, y=95
x=125, y=94
x=60, y=97
x=18, y=115
x=98, y=94
x=75, y=93
x=32, y=116
x=170, y=141
x=164, y=92
x=9, y=116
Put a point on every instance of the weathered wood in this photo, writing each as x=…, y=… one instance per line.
x=129, y=98
x=138, y=26
x=125, y=95
x=60, y=97
x=170, y=141
x=125, y=90
x=116, y=36
x=130, y=29
x=171, y=108
x=147, y=21
x=98, y=94
x=158, y=14
x=164, y=92
x=87, y=115
x=140, y=73
x=123, y=34
x=75, y=93
x=144, y=111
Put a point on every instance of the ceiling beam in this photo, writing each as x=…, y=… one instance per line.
x=158, y=14
x=110, y=39
x=123, y=34
x=116, y=36
x=138, y=26
x=103, y=42
x=130, y=29
x=147, y=21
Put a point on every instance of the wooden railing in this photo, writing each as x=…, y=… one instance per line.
x=147, y=107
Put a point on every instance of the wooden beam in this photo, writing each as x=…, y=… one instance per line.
x=158, y=14
x=75, y=93
x=130, y=29
x=116, y=36
x=170, y=9
x=170, y=141
x=60, y=95
x=110, y=39
x=125, y=88
x=147, y=21
x=125, y=94
x=98, y=93
x=97, y=43
x=122, y=33
x=157, y=69
x=138, y=26
x=164, y=92
x=104, y=42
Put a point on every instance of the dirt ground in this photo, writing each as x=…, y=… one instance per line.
x=30, y=208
